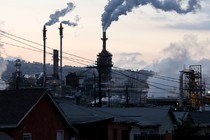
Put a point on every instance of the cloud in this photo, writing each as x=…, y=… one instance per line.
x=193, y=21
x=204, y=25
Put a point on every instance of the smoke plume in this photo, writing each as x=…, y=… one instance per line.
x=54, y=18
x=115, y=8
x=70, y=23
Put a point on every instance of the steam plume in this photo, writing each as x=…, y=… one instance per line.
x=70, y=23
x=109, y=9
x=55, y=17
x=116, y=8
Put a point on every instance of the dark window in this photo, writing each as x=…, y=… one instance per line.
x=125, y=135
x=115, y=134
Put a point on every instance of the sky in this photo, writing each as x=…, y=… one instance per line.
x=145, y=38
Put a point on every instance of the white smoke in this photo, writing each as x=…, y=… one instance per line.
x=129, y=60
x=115, y=8
x=54, y=18
x=3, y=67
x=190, y=51
x=108, y=10
x=70, y=23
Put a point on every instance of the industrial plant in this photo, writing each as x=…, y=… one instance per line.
x=102, y=85
x=99, y=86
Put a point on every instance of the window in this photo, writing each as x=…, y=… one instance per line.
x=60, y=135
x=27, y=136
x=115, y=133
x=125, y=134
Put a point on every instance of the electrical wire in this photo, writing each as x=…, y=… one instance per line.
x=150, y=83
x=82, y=60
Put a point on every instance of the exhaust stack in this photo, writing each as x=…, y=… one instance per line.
x=55, y=65
x=61, y=36
x=104, y=39
x=44, y=55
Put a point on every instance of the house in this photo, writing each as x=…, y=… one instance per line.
x=117, y=123
x=192, y=123
x=142, y=120
x=28, y=114
x=91, y=124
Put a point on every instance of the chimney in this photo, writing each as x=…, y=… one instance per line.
x=104, y=39
x=44, y=55
x=55, y=64
x=61, y=36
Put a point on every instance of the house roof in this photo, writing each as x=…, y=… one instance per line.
x=180, y=116
x=4, y=136
x=79, y=114
x=201, y=117
x=143, y=116
x=15, y=105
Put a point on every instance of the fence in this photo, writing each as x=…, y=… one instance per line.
x=169, y=136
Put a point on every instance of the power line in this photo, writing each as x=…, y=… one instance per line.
x=153, y=75
x=88, y=60
x=20, y=46
x=66, y=58
x=20, y=42
x=150, y=83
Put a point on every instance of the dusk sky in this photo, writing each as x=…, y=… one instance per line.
x=145, y=38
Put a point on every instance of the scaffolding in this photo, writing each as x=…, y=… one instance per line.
x=191, y=87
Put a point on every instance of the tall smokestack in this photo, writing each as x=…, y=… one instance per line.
x=44, y=55
x=61, y=36
x=104, y=39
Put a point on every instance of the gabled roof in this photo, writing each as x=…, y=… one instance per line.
x=4, y=136
x=15, y=105
x=201, y=118
x=180, y=116
x=79, y=114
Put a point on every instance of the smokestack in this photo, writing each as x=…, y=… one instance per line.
x=55, y=64
x=61, y=36
x=44, y=55
x=104, y=39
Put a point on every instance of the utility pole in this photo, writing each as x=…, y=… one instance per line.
x=99, y=67
x=99, y=84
